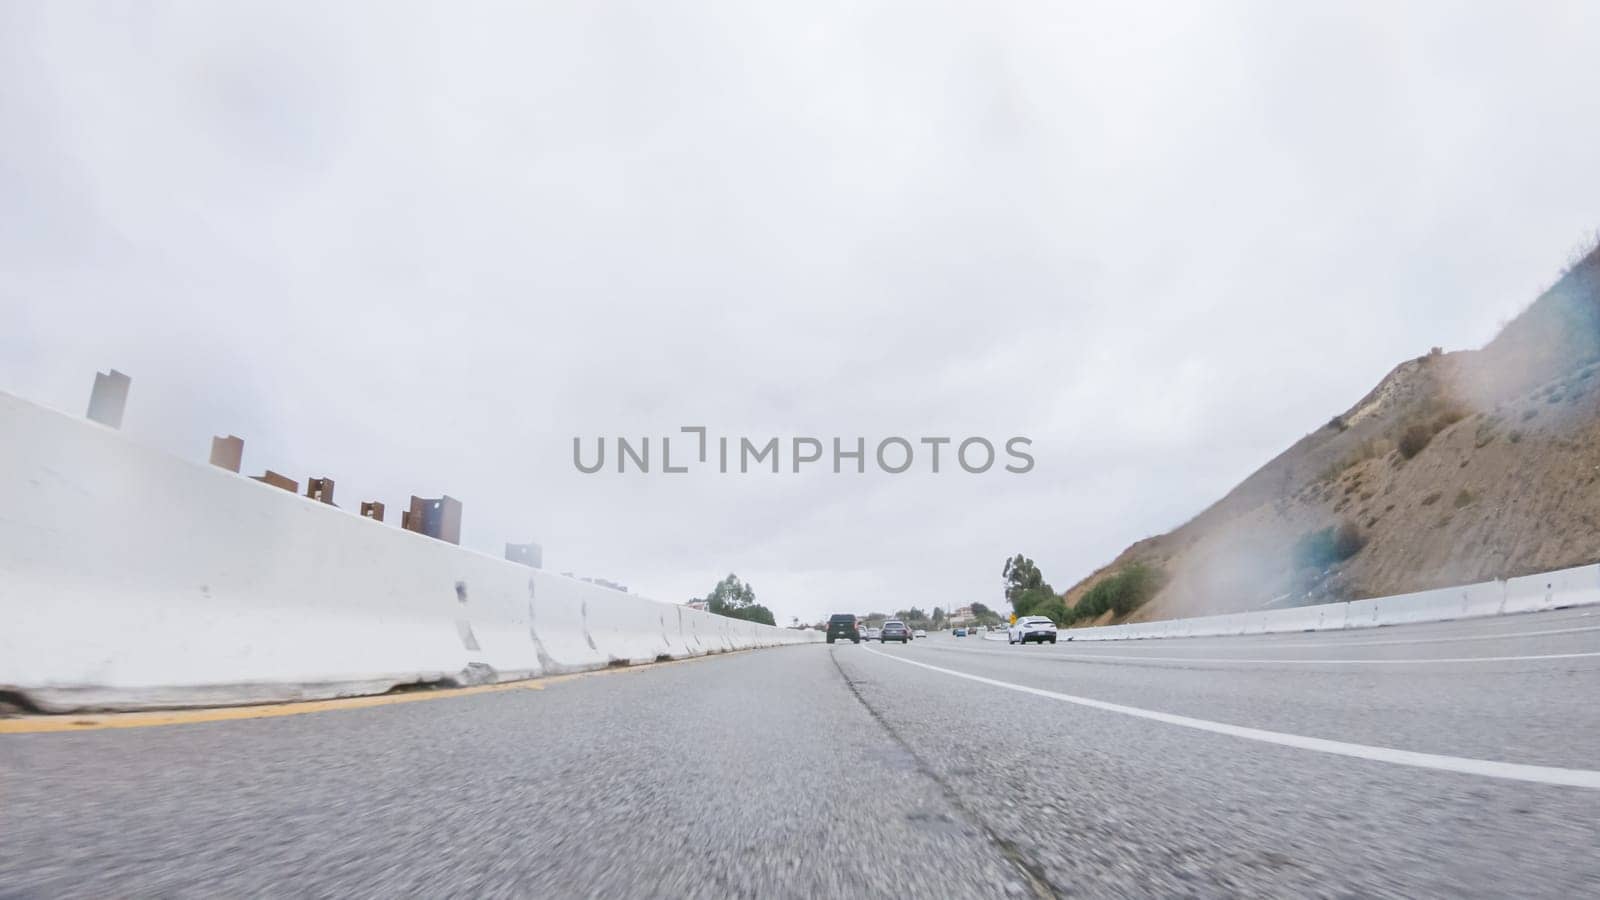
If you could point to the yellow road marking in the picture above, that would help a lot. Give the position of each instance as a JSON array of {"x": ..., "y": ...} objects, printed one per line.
[{"x": 40, "y": 724}]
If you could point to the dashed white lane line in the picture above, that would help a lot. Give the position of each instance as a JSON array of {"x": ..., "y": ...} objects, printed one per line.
[
  {"x": 1583, "y": 778},
  {"x": 1140, "y": 657}
]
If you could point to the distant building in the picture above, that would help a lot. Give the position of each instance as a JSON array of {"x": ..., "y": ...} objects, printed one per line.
[
  {"x": 437, "y": 518},
  {"x": 372, "y": 509},
  {"x": 109, "y": 398},
  {"x": 531, "y": 555},
  {"x": 227, "y": 452},
  {"x": 278, "y": 481}
]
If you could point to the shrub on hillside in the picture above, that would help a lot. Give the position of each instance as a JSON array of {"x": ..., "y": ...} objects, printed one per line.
[
  {"x": 1055, "y": 609},
  {"x": 1328, "y": 546},
  {"x": 1413, "y": 439},
  {"x": 1123, "y": 592},
  {"x": 1348, "y": 541},
  {"x": 1032, "y": 601}
]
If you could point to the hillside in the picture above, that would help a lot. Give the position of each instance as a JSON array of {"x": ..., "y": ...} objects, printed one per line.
[{"x": 1457, "y": 467}]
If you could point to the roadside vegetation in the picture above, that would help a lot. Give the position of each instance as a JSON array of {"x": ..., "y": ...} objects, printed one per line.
[
  {"x": 737, "y": 600},
  {"x": 1123, "y": 592},
  {"x": 1416, "y": 436},
  {"x": 1328, "y": 546}
]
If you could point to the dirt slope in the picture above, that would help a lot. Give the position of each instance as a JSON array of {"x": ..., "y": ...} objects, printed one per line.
[{"x": 1507, "y": 480}]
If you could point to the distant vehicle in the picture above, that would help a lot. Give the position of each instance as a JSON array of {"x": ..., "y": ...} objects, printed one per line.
[
  {"x": 870, "y": 634},
  {"x": 894, "y": 630},
  {"x": 843, "y": 625},
  {"x": 958, "y": 632},
  {"x": 1031, "y": 628},
  {"x": 919, "y": 633}
]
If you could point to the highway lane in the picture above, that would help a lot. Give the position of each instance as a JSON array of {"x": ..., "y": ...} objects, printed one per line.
[
  {"x": 1494, "y": 698},
  {"x": 862, "y": 771},
  {"x": 753, "y": 774},
  {"x": 1143, "y": 808}
]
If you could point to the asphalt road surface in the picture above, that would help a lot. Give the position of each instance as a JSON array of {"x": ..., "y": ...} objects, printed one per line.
[{"x": 1457, "y": 759}]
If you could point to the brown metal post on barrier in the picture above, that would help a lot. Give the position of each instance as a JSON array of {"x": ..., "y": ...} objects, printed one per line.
[
  {"x": 437, "y": 518},
  {"x": 227, "y": 452},
  {"x": 372, "y": 509},
  {"x": 320, "y": 489},
  {"x": 109, "y": 398},
  {"x": 531, "y": 555},
  {"x": 277, "y": 481}
]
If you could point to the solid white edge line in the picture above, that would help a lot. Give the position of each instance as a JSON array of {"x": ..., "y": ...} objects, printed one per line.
[
  {"x": 1583, "y": 778},
  {"x": 1090, "y": 657}
]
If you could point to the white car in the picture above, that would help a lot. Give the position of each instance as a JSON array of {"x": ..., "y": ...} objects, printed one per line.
[
  {"x": 1031, "y": 628},
  {"x": 919, "y": 633}
]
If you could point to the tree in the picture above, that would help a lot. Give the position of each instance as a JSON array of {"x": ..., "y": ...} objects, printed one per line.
[
  {"x": 1032, "y": 602},
  {"x": 1028, "y": 592},
  {"x": 1021, "y": 575},
  {"x": 1045, "y": 602},
  {"x": 938, "y": 617},
  {"x": 914, "y": 617},
  {"x": 737, "y": 600}
]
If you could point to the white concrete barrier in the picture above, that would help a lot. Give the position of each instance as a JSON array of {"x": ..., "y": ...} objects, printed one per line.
[
  {"x": 1550, "y": 590},
  {"x": 1362, "y": 613},
  {"x": 129, "y": 578},
  {"x": 1298, "y": 618},
  {"x": 1486, "y": 598},
  {"x": 1579, "y": 586},
  {"x": 628, "y": 628},
  {"x": 559, "y": 616},
  {"x": 1229, "y": 624},
  {"x": 1423, "y": 606},
  {"x": 1575, "y": 587}
]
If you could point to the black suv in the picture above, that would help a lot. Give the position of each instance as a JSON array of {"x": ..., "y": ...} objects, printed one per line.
[{"x": 843, "y": 625}]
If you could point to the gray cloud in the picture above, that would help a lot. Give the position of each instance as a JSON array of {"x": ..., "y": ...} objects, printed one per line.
[{"x": 419, "y": 248}]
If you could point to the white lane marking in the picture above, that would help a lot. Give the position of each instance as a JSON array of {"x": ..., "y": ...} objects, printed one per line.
[
  {"x": 1091, "y": 657},
  {"x": 1584, "y": 778},
  {"x": 1494, "y": 636}
]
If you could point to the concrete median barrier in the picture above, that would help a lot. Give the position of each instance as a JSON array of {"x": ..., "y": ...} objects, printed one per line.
[
  {"x": 129, "y": 578},
  {"x": 1301, "y": 618},
  {"x": 1484, "y": 599},
  {"x": 1423, "y": 606},
  {"x": 1579, "y": 586},
  {"x": 1362, "y": 613}
]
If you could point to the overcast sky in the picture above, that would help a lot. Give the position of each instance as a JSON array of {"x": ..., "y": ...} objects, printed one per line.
[{"x": 420, "y": 248}]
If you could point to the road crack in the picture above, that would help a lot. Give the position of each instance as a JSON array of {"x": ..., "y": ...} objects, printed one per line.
[{"x": 1032, "y": 874}]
